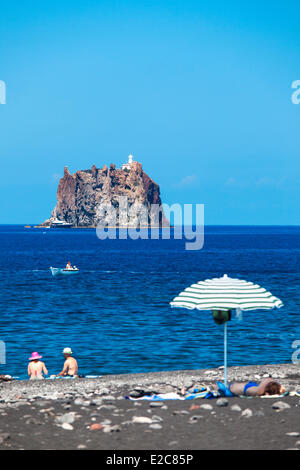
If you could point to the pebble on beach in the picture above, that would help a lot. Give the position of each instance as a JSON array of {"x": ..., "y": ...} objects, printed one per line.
[
  {"x": 280, "y": 406},
  {"x": 206, "y": 406},
  {"x": 109, "y": 428},
  {"x": 247, "y": 413},
  {"x": 236, "y": 408},
  {"x": 51, "y": 409},
  {"x": 141, "y": 420},
  {"x": 222, "y": 402},
  {"x": 67, "y": 426},
  {"x": 155, "y": 426},
  {"x": 96, "y": 427}
]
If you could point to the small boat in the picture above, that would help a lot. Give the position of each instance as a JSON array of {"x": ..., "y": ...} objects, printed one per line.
[
  {"x": 57, "y": 271},
  {"x": 60, "y": 224}
]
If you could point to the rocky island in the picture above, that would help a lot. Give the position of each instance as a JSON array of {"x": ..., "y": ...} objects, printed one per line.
[{"x": 81, "y": 196}]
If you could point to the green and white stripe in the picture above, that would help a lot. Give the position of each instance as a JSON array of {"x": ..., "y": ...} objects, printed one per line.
[{"x": 225, "y": 293}]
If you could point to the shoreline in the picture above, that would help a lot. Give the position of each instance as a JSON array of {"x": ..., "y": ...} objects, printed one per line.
[
  {"x": 238, "y": 373},
  {"x": 93, "y": 413}
]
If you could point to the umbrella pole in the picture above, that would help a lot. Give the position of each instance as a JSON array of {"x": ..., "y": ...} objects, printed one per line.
[{"x": 225, "y": 354}]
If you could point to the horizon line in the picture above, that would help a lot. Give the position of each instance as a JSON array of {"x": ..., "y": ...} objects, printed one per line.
[{"x": 172, "y": 226}]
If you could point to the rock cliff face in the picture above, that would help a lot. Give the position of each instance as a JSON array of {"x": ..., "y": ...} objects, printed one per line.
[{"x": 83, "y": 197}]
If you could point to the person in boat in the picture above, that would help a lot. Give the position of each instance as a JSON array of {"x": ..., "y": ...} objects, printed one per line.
[
  {"x": 68, "y": 266},
  {"x": 36, "y": 367},
  {"x": 267, "y": 386},
  {"x": 70, "y": 368}
]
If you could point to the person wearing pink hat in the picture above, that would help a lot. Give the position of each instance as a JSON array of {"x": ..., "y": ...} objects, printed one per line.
[{"x": 36, "y": 368}]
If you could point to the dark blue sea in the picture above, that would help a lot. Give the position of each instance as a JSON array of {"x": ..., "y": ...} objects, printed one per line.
[{"x": 115, "y": 313}]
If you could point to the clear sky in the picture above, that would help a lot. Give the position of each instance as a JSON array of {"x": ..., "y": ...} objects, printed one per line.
[{"x": 198, "y": 91}]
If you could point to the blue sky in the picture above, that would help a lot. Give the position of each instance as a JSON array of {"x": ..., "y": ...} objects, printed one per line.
[{"x": 199, "y": 92}]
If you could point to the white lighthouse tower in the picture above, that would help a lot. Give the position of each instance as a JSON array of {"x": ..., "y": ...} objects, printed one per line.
[{"x": 126, "y": 166}]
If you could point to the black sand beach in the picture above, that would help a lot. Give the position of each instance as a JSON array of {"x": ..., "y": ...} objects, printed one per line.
[{"x": 58, "y": 414}]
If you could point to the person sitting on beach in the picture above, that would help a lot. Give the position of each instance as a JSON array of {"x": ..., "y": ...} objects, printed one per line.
[
  {"x": 267, "y": 386},
  {"x": 36, "y": 368},
  {"x": 68, "y": 265},
  {"x": 70, "y": 366}
]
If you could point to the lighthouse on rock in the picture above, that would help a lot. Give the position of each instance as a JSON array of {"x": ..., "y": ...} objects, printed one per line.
[{"x": 126, "y": 166}]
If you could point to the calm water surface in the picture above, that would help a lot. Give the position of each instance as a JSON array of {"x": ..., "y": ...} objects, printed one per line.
[{"x": 115, "y": 314}]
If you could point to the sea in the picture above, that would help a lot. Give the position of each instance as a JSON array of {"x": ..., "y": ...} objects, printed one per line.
[{"x": 115, "y": 314}]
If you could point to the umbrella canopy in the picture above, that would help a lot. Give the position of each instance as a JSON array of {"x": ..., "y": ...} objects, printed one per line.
[{"x": 223, "y": 294}]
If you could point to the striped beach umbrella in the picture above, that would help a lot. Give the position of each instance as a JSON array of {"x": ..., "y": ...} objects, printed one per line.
[{"x": 225, "y": 294}]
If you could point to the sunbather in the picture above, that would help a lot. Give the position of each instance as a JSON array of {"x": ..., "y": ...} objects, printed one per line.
[
  {"x": 6, "y": 378},
  {"x": 267, "y": 386},
  {"x": 70, "y": 368},
  {"x": 36, "y": 368}
]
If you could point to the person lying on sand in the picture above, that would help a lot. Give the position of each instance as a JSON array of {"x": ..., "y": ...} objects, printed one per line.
[
  {"x": 36, "y": 368},
  {"x": 6, "y": 378},
  {"x": 267, "y": 386},
  {"x": 70, "y": 366}
]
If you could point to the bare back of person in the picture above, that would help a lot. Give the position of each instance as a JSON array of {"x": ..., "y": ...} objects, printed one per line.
[
  {"x": 71, "y": 366},
  {"x": 36, "y": 369}
]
